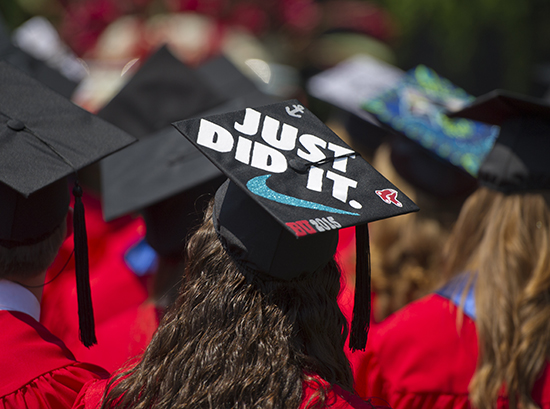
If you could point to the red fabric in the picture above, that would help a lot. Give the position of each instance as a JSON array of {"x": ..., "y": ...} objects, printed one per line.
[
  {"x": 116, "y": 290},
  {"x": 38, "y": 371},
  {"x": 122, "y": 337},
  {"x": 91, "y": 395},
  {"x": 418, "y": 358}
]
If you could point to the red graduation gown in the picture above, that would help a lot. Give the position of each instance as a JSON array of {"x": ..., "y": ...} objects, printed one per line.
[
  {"x": 417, "y": 358},
  {"x": 37, "y": 370},
  {"x": 92, "y": 393},
  {"x": 116, "y": 290}
]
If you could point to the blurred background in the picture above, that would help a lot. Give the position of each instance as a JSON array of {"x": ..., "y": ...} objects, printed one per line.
[{"x": 478, "y": 45}]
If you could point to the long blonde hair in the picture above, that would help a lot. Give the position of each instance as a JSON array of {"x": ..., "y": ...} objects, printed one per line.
[{"x": 505, "y": 240}]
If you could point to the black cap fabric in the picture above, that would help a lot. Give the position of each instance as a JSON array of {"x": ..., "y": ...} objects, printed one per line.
[
  {"x": 519, "y": 159},
  {"x": 166, "y": 179},
  {"x": 223, "y": 76},
  {"x": 293, "y": 184},
  {"x": 162, "y": 91},
  {"x": 44, "y": 138},
  {"x": 150, "y": 171}
]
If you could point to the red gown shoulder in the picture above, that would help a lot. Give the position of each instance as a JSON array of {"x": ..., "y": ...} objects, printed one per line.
[
  {"x": 91, "y": 396},
  {"x": 38, "y": 371},
  {"x": 422, "y": 357}
]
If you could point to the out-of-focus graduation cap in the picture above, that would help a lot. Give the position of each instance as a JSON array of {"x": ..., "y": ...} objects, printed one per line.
[
  {"x": 162, "y": 91},
  {"x": 347, "y": 85},
  {"x": 223, "y": 76},
  {"x": 519, "y": 159},
  {"x": 32, "y": 66},
  {"x": 353, "y": 81},
  {"x": 435, "y": 153},
  {"x": 159, "y": 167},
  {"x": 44, "y": 138},
  {"x": 293, "y": 184},
  {"x": 167, "y": 180}
]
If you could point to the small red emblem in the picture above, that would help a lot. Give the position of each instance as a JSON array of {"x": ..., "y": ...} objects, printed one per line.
[{"x": 389, "y": 196}]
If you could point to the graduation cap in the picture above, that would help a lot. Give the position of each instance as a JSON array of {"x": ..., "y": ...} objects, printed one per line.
[
  {"x": 167, "y": 179},
  {"x": 33, "y": 66},
  {"x": 293, "y": 184},
  {"x": 519, "y": 159},
  {"x": 44, "y": 138},
  {"x": 433, "y": 152},
  {"x": 162, "y": 91},
  {"x": 161, "y": 176},
  {"x": 223, "y": 76}
]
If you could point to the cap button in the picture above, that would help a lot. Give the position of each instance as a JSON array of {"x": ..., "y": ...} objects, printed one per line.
[{"x": 15, "y": 124}]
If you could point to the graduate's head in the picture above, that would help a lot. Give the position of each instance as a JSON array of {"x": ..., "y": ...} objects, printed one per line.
[
  {"x": 510, "y": 221},
  {"x": 248, "y": 339},
  {"x": 32, "y": 229}
]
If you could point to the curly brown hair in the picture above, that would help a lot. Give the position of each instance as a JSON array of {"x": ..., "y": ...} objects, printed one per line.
[{"x": 234, "y": 340}]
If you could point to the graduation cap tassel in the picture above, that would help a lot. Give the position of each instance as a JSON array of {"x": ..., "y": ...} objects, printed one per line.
[
  {"x": 362, "y": 305},
  {"x": 84, "y": 295}
]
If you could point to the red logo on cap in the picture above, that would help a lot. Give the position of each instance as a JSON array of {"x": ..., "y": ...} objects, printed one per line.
[{"x": 389, "y": 196}]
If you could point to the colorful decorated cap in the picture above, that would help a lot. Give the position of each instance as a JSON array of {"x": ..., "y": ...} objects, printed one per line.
[
  {"x": 519, "y": 159},
  {"x": 162, "y": 91},
  {"x": 45, "y": 138},
  {"x": 293, "y": 184},
  {"x": 415, "y": 108}
]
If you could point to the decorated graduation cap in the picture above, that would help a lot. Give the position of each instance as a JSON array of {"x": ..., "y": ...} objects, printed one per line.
[
  {"x": 519, "y": 159},
  {"x": 292, "y": 184},
  {"x": 45, "y": 138},
  {"x": 162, "y": 91},
  {"x": 433, "y": 152}
]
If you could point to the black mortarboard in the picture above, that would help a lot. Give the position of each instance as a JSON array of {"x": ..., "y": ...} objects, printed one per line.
[
  {"x": 165, "y": 178},
  {"x": 157, "y": 168},
  {"x": 32, "y": 66},
  {"x": 223, "y": 76},
  {"x": 519, "y": 158},
  {"x": 44, "y": 138},
  {"x": 434, "y": 153},
  {"x": 292, "y": 178},
  {"x": 162, "y": 91}
]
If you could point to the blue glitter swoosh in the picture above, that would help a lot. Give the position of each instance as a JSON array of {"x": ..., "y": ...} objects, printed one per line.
[{"x": 259, "y": 187}]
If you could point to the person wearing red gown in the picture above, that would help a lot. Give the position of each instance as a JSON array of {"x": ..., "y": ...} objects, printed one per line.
[
  {"x": 45, "y": 138},
  {"x": 38, "y": 371},
  {"x": 482, "y": 339},
  {"x": 256, "y": 322}
]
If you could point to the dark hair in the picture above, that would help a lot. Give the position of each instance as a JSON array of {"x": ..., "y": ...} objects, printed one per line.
[
  {"x": 233, "y": 340},
  {"x": 22, "y": 262}
]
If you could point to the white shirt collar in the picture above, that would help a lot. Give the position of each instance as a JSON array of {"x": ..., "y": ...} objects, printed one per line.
[{"x": 15, "y": 297}]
